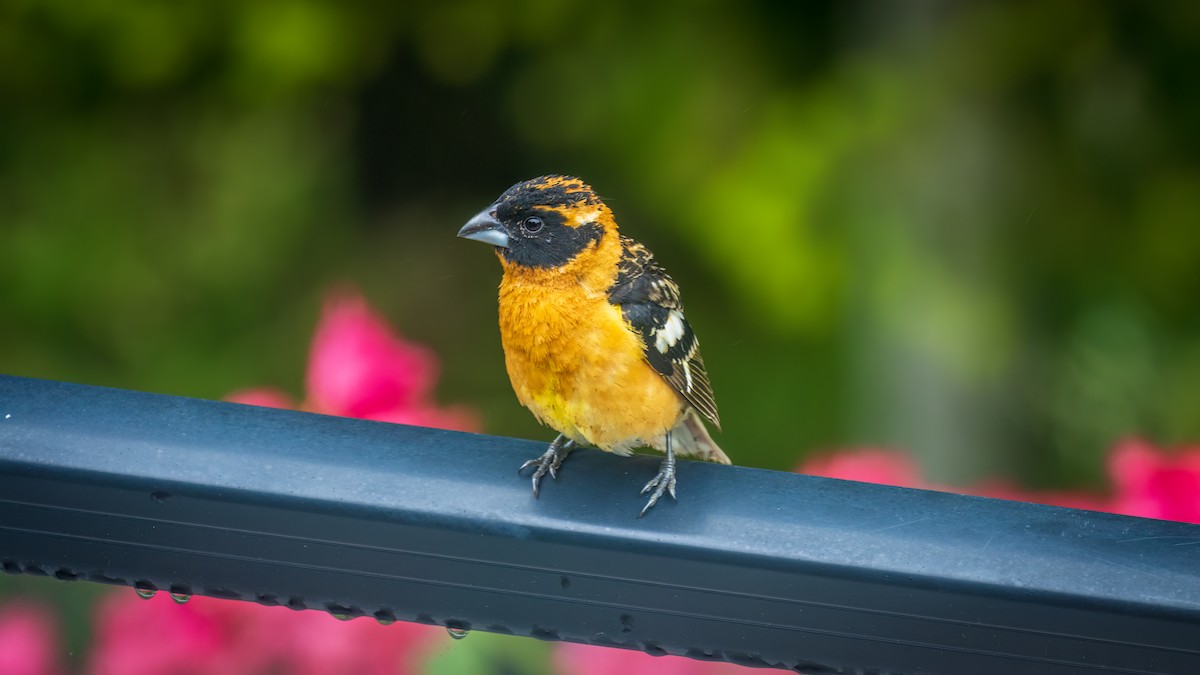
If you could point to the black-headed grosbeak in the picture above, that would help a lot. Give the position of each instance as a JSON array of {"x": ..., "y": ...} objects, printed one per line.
[{"x": 595, "y": 340}]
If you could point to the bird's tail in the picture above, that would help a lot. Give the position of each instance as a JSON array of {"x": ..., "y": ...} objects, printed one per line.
[{"x": 690, "y": 437}]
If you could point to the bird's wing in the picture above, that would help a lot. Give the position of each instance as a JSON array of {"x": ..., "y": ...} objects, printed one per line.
[{"x": 649, "y": 300}]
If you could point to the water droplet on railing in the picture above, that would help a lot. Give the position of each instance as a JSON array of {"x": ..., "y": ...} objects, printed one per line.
[
  {"x": 143, "y": 592},
  {"x": 181, "y": 598},
  {"x": 457, "y": 633},
  {"x": 384, "y": 618},
  {"x": 341, "y": 617}
]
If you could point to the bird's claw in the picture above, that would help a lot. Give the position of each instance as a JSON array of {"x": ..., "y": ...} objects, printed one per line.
[
  {"x": 664, "y": 481},
  {"x": 548, "y": 462}
]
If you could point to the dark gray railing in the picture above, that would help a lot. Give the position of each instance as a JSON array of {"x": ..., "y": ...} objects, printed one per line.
[{"x": 750, "y": 566}]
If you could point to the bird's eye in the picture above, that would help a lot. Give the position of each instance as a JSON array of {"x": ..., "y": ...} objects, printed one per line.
[{"x": 532, "y": 224}]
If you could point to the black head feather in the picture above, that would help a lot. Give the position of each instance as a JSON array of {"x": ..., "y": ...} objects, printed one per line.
[{"x": 540, "y": 217}]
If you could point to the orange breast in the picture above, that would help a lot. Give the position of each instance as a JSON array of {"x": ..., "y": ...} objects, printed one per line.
[{"x": 576, "y": 363}]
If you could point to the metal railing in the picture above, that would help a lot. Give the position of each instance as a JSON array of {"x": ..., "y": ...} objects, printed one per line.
[{"x": 750, "y": 566}]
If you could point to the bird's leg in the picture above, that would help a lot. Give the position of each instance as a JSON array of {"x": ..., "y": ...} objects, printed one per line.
[
  {"x": 549, "y": 461},
  {"x": 664, "y": 481}
]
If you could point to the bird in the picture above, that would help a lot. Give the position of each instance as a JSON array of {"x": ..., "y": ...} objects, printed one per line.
[{"x": 595, "y": 340}]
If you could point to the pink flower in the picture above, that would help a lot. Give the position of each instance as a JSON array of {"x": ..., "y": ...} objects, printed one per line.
[
  {"x": 575, "y": 659},
  {"x": 265, "y": 397},
  {"x": 1153, "y": 484},
  {"x": 315, "y": 643},
  {"x": 885, "y": 467},
  {"x": 223, "y": 637},
  {"x": 151, "y": 637},
  {"x": 1147, "y": 482},
  {"x": 28, "y": 640},
  {"x": 888, "y": 467},
  {"x": 1000, "y": 489},
  {"x": 358, "y": 367}
]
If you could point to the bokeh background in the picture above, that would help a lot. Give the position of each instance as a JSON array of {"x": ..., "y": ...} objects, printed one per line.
[{"x": 970, "y": 231}]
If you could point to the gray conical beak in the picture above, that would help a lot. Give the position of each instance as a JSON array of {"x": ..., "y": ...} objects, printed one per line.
[{"x": 485, "y": 228}]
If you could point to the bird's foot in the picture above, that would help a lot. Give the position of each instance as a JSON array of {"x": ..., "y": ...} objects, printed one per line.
[
  {"x": 549, "y": 461},
  {"x": 663, "y": 482}
]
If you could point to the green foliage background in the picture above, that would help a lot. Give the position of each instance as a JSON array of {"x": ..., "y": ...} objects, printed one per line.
[
  {"x": 969, "y": 230},
  {"x": 964, "y": 229}
]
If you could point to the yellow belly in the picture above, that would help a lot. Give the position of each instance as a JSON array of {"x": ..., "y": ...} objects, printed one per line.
[{"x": 576, "y": 363}]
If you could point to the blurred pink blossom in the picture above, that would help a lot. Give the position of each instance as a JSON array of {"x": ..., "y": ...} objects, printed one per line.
[
  {"x": 1002, "y": 489},
  {"x": 575, "y": 659},
  {"x": 207, "y": 636},
  {"x": 265, "y": 397},
  {"x": 1155, "y": 484},
  {"x": 890, "y": 467},
  {"x": 359, "y": 367},
  {"x": 28, "y": 639},
  {"x": 869, "y": 465},
  {"x": 1146, "y": 481}
]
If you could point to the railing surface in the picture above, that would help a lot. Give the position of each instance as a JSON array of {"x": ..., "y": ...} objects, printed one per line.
[{"x": 751, "y": 566}]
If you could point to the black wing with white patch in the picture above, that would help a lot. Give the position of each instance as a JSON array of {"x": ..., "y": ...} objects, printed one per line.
[{"x": 649, "y": 300}]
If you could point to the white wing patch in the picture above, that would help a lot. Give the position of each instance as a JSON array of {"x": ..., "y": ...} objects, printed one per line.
[
  {"x": 650, "y": 302},
  {"x": 670, "y": 333}
]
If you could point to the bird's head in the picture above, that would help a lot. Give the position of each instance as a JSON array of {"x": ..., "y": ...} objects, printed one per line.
[{"x": 543, "y": 223}]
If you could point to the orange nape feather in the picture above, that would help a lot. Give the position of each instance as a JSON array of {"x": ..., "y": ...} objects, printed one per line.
[{"x": 573, "y": 359}]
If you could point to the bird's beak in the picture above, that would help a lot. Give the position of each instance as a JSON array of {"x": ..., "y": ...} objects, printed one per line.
[{"x": 484, "y": 227}]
